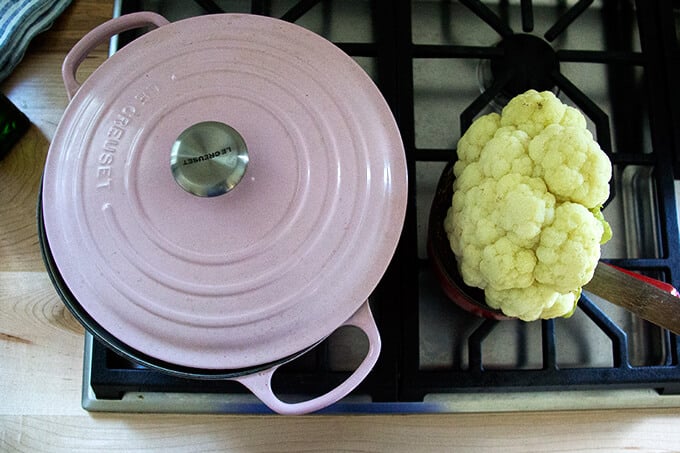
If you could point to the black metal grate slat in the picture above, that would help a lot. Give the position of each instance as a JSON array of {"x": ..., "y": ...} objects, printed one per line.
[
  {"x": 210, "y": 7},
  {"x": 261, "y": 7},
  {"x": 299, "y": 9},
  {"x": 433, "y": 51},
  {"x": 488, "y": 16},
  {"x": 600, "y": 56},
  {"x": 549, "y": 345},
  {"x": 476, "y": 359},
  {"x": 609, "y": 328},
  {"x": 570, "y": 16},
  {"x": 527, "y": 16}
]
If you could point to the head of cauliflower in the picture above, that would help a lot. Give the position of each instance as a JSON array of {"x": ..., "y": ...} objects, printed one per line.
[{"x": 525, "y": 222}]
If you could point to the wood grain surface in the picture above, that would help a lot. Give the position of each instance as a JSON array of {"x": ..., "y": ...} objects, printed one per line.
[{"x": 41, "y": 344}]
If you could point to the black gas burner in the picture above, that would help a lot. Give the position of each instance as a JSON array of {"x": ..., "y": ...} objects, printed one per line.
[
  {"x": 528, "y": 62},
  {"x": 616, "y": 60}
]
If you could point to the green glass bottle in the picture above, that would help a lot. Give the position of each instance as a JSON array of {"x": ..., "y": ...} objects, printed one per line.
[{"x": 13, "y": 125}]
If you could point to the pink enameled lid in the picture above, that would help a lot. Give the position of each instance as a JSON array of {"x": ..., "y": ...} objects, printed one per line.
[{"x": 264, "y": 270}]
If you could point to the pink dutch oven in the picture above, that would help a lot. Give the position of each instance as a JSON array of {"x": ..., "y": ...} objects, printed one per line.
[{"x": 220, "y": 196}]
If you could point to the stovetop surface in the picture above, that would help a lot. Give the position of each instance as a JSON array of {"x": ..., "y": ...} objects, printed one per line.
[{"x": 437, "y": 65}]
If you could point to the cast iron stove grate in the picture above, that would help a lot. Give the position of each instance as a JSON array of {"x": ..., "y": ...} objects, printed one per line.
[{"x": 638, "y": 64}]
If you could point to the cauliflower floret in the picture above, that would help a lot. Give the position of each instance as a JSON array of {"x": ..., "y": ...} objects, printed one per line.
[
  {"x": 471, "y": 143},
  {"x": 469, "y": 242},
  {"x": 572, "y": 164},
  {"x": 545, "y": 302},
  {"x": 573, "y": 118},
  {"x": 522, "y": 207},
  {"x": 564, "y": 306},
  {"x": 525, "y": 221},
  {"x": 470, "y": 269},
  {"x": 508, "y": 216},
  {"x": 506, "y": 265},
  {"x": 506, "y": 153},
  {"x": 569, "y": 248},
  {"x": 532, "y": 112}
]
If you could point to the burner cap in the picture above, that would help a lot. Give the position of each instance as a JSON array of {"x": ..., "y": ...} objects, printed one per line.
[{"x": 531, "y": 61}]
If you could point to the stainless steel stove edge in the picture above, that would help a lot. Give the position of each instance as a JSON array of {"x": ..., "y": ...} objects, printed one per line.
[{"x": 207, "y": 403}]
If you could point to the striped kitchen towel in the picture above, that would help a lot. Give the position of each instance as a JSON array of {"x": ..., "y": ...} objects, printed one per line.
[{"x": 20, "y": 22}]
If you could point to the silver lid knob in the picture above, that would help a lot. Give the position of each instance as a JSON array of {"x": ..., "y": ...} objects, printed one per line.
[{"x": 209, "y": 159}]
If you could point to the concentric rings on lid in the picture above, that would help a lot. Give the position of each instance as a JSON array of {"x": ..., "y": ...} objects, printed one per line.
[{"x": 264, "y": 270}]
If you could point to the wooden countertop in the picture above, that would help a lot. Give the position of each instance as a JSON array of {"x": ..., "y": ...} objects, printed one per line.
[{"x": 41, "y": 344}]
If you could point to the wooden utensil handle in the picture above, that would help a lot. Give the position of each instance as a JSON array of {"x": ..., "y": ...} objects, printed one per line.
[{"x": 642, "y": 298}]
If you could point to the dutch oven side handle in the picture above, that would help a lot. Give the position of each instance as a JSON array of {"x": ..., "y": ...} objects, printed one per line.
[
  {"x": 260, "y": 383},
  {"x": 99, "y": 35}
]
